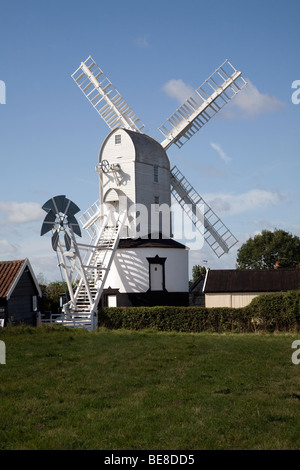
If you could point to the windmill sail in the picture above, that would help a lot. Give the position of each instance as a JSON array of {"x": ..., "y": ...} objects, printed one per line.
[
  {"x": 105, "y": 98},
  {"x": 215, "y": 232},
  {"x": 206, "y": 101}
]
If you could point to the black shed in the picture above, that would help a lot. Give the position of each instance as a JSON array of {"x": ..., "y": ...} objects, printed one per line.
[{"x": 20, "y": 293}]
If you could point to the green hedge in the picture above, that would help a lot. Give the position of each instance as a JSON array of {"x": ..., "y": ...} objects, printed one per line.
[
  {"x": 270, "y": 312},
  {"x": 276, "y": 312}
]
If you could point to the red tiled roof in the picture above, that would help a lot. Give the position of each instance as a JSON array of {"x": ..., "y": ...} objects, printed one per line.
[{"x": 9, "y": 271}]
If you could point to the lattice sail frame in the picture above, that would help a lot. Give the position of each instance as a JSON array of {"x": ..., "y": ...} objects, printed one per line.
[
  {"x": 107, "y": 101},
  {"x": 206, "y": 221},
  {"x": 205, "y": 102}
]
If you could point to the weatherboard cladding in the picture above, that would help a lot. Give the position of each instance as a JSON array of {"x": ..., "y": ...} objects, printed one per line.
[
  {"x": 9, "y": 271},
  {"x": 252, "y": 280},
  {"x": 148, "y": 150},
  {"x": 149, "y": 242}
]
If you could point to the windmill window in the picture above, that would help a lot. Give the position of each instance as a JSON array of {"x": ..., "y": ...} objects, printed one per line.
[
  {"x": 34, "y": 303},
  {"x": 155, "y": 174},
  {"x": 111, "y": 300},
  {"x": 117, "y": 139}
]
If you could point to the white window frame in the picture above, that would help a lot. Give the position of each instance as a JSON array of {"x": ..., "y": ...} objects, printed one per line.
[
  {"x": 34, "y": 303},
  {"x": 112, "y": 300}
]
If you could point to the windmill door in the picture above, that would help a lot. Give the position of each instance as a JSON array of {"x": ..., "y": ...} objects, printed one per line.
[
  {"x": 156, "y": 276},
  {"x": 111, "y": 300}
]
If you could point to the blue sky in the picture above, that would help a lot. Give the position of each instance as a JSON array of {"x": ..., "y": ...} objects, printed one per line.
[{"x": 244, "y": 162}]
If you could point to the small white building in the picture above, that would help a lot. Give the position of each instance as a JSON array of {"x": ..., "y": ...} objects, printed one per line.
[
  {"x": 150, "y": 267},
  {"x": 237, "y": 288},
  {"x": 147, "y": 272}
]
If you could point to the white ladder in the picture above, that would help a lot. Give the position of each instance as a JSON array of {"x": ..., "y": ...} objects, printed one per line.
[{"x": 83, "y": 310}]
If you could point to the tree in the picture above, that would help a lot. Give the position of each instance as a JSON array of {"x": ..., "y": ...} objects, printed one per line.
[
  {"x": 51, "y": 295},
  {"x": 197, "y": 271},
  {"x": 268, "y": 249}
]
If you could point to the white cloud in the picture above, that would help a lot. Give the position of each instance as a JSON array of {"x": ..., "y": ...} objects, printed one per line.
[
  {"x": 21, "y": 212},
  {"x": 34, "y": 247},
  {"x": 142, "y": 41},
  {"x": 221, "y": 152},
  {"x": 6, "y": 247},
  {"x": 176, "y": 88},
  {"x": 251, "y": 102},
  {"x": 238, "y": 203},
  {"x": 212, "y": 171},
  {"x": 246, "y": 104}
]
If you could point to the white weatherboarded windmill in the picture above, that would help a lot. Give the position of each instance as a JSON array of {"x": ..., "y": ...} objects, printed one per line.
[{"x": 131, "y": 257}]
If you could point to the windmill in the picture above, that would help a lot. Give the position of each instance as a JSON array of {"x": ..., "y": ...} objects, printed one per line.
[{"x": 135, "y": 174}]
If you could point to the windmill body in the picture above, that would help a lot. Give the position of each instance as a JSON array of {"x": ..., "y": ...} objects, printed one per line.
[
  {"x": 139, "y": 170},
  {"x": 132, "y": 257},
  {"x": 149, "y": 267}
]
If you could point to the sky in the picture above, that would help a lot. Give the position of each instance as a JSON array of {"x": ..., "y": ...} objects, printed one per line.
[{"x": 244, "y": 162}]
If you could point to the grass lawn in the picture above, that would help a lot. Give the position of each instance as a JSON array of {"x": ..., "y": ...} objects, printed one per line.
[{"x": 115, "y": 390}]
